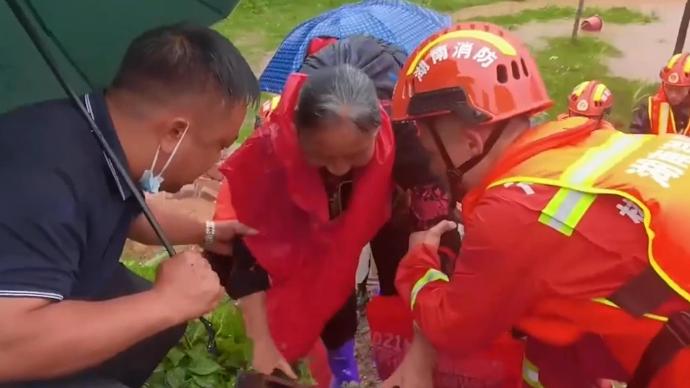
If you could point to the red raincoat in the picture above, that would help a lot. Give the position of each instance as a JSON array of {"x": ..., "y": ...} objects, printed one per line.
[{"x": 310, "y": 258}]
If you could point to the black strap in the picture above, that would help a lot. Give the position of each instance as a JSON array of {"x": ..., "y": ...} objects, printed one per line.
[
  {"x": 673, "y": 337},
  {"x": 642, "y": 294}
]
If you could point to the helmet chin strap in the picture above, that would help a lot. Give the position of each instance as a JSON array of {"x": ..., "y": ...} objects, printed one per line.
[{"x": 456, "y": 173}]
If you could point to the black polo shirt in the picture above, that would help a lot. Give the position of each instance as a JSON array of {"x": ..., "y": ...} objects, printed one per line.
[{"x": 64, "y": 212}]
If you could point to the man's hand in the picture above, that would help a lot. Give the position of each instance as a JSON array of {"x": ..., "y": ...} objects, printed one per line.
[
  {"x": 187, "y": 283},
  {"x": 432, "y": 237},
  {"x": 183, "y": 229},
  {"x": 225, "y": 233},
  {"x": 416, "y": 369},
  {"x": 267, "y": 358}
]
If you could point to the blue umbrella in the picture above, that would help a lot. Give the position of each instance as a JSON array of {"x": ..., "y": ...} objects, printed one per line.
[{"x": 397, "y": 22}]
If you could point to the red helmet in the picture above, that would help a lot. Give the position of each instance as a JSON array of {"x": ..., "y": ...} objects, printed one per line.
[
  {"x": 590, "y": 99},
  {"x": 477, "y": 70},
  {"x": 677, "y": 70}
]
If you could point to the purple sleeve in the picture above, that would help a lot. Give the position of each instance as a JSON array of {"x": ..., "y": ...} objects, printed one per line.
[{"x": 640, "y": 119}]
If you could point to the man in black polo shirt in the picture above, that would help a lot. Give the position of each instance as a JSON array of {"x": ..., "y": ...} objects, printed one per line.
[{"x": 69, "y": 309}]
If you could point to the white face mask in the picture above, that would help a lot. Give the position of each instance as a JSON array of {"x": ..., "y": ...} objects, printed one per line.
[{"x": 151, "y": 183}]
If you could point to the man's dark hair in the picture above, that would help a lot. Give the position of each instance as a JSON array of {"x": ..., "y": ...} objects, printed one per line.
[
  {"x": 183, "y": 59},
  {"x": 338, "y": 93}
]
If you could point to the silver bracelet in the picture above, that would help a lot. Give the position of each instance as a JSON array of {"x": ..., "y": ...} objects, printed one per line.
[{"x": 210, "y": 235}]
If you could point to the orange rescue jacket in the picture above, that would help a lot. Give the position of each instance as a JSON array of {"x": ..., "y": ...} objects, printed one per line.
[
  {"x": 584, "y": 159},
  {"x": 661, "y": 120}
]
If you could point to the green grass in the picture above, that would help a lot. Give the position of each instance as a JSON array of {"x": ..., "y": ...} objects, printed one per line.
[
  {"x": 455, "y": 5},
  {"x": 189, "y": 364},
  {"x": 564, "y": 64},
  {"x": 617, "y": 15}
]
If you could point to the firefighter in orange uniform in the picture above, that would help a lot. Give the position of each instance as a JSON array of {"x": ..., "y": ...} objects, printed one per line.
[
  {"x": 668, "y": 110},
  {"x": 590, "y": 99},
  {"x": 575, "y": 233}
]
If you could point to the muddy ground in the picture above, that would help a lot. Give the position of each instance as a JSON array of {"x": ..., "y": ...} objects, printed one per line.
[
  {"x": 644, "y": 47},
  {"x": 367, "y": 368}
]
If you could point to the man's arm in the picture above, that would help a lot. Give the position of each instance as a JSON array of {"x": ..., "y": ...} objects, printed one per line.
[
  {"x": 180, "y": 227},
  {"x": 42, "y": 339},
  {"x": 184, "y": 229},
  {"x": 42, "y": 334},
  {"x": 493, "y": 283}
]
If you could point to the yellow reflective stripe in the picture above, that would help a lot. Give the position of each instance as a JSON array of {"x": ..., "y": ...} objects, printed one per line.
[
  {"x": 673, "y": 60},
  {"x": 580, "y": 88},
  {"x": 431, "y": 275},
  {"x": 651, "y": 235},
  {"x": 609, "y": 303},
  {"x": 599, "y": 92},
  {"x": 596, "y": 161},
  {"x": 497, "y": 41},
  {"x": 530, "y": 374},
  {"x": 274, "y": 102},
  {"x": 664, "y": 113},
  {"x": 565, "y": 210},
  {"x": 650, "y": 111}
]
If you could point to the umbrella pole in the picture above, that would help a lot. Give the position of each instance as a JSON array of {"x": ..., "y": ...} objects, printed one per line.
[
  {"x": 124, "y": 174},
  {"x": 682, "y": 29},
  {"x": 578, "y": 16}
]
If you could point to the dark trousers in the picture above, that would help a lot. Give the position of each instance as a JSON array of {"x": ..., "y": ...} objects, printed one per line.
[
  {"x": 388, "y": 247},
  {"x": 131, "y": 367}
]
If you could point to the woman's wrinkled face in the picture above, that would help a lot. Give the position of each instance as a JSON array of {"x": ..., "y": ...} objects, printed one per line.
[{"x": 338, "y": 146}]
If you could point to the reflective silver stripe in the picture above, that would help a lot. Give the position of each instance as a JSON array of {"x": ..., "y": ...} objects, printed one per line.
[
  {"x": 530, "y": 374},
  {"x": 601, "y": 157},
  {"x": 569, "y": 204}
]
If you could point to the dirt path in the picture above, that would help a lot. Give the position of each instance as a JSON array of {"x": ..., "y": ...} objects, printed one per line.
[
  {"x": 508, "y": 7},
  {"x": 644, "y": 47}
]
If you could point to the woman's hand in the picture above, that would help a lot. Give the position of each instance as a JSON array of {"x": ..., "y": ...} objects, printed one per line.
[{"x": 267, "y": 358}]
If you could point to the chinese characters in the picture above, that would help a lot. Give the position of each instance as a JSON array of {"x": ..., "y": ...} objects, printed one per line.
[
  {"x": 485, "y": 56},
  {"x": 667, "y": 163}
]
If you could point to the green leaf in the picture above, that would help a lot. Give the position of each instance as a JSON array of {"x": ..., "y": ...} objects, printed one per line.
[
  {"x": 209, "y": 381},
  {"x": 175, "y": 355},
  {"x": 198, "y": 351},
  {"x": 156, "y": 380},
  {"x": 175, "y": 378},
  {"x": 203, "y": 366},
  {"x": 233, "y": 354}
]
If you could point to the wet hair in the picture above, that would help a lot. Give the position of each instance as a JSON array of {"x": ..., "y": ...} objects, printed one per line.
[
  {"x": 380, "y": 60},
  {"x": 338, "y": 93},
  {"x": 181, "y": 59}
]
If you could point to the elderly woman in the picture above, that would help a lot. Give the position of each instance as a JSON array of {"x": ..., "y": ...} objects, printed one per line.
[{"x": 318, "y": 184}]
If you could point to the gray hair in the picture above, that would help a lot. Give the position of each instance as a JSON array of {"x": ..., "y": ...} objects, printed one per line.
[{"x": 335, "y": 94}]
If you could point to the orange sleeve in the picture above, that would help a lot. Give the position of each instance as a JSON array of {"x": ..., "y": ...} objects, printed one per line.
[
  {"x": 493, "y": 284},
  {"x": 224, "y": 209}
]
